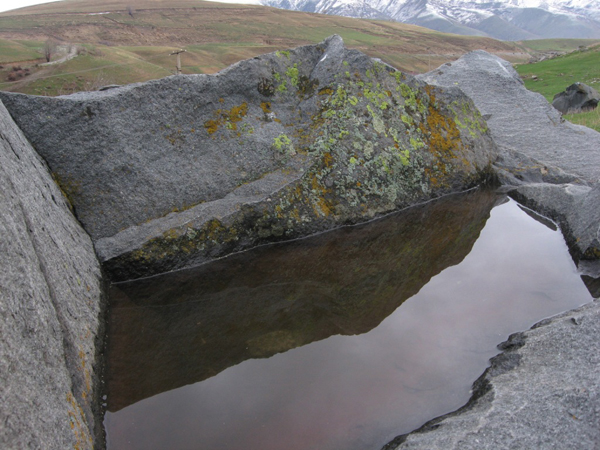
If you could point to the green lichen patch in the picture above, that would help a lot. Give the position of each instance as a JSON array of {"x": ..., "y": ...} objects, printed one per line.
[
  {"x": 284, "y": 145},
  {"x": 293, "y": 74},
  {"x": 468, "y": 118}
]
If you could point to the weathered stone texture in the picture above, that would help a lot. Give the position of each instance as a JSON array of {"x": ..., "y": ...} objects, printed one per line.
[
  {"x": 50, "y": 308},
  {"x": 521, "y": 120},
  {"x": 170, "y": 173}
]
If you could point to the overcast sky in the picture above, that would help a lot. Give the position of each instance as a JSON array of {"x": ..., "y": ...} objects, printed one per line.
[{"x": 5, "y": 5}]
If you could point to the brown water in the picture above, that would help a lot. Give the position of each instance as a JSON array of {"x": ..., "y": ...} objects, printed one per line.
[{"x": 341, "y": 341}]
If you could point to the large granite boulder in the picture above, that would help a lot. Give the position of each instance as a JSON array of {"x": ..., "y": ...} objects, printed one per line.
[
  {"x": 51, "y": 309},
  {"x": 174, "y": 172},
  {"x": 520, "y": 120},
  {"x": 576, "y": 98}
]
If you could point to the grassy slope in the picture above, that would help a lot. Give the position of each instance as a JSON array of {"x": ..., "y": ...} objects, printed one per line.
[
  {"x": 555, "y": 75},
  {"x": 16, "y": 51},
  {"x": 122, "y": 48},
  {"x": 557, "y": 45},
  {"x": 589, "y": 119}
]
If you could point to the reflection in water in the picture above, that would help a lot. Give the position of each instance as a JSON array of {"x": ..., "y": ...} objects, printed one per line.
[{"x": 288, "y": 346}]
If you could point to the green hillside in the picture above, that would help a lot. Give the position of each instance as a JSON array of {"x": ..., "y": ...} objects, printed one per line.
[
  {"x": 552, "y": 76},
  {"x": 557, "y": 45}
]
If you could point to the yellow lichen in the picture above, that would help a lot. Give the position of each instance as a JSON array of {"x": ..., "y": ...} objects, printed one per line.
[
  {"x": 326, "y": 91},
  {"x": 228, "y": 118},
  {"x": 77, "y": 422},
  {"x": 266, "y": 107}
]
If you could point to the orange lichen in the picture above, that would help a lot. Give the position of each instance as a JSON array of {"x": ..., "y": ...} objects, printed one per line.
[
  {"x": 266, "y": 107},
  {"x": 211, "y": 126},
  {"x": 321, "y": 206},
  {"x": 441, "y": 131},
  {"x": 76, "y": 422},
  {"x": 228, "y": 118},
  {"x": 443, "y": 139}
]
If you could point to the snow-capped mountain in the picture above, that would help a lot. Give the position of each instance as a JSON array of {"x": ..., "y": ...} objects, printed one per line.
[{"x": 501, "y": 19}]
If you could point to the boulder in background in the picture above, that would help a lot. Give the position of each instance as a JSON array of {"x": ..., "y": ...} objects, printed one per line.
[{"x": 576, "y": 98}]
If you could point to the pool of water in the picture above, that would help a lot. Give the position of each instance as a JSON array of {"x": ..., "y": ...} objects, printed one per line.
[{"x": 340, "y": 341}]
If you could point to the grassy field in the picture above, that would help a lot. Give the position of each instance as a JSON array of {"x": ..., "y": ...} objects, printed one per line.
[
  {"x": 590, "y": 119},
  {"x": 17, "y": 51},
  {"x": 554, "y": 75},
  {"x": 557, "y": 45},
  {"x": 119, "y": 47}
]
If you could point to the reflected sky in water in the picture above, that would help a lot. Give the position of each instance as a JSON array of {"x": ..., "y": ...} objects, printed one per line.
[{"x": 360, "y": 391}]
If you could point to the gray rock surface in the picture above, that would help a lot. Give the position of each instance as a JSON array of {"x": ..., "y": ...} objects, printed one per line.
[
  {"x": 50, "y": 308},
  {"x": 576, "y": 98},
  {"x": 536, "y": 146},
  {"x": 174, "y": 172},
  {"x": 542, "y": 392}
]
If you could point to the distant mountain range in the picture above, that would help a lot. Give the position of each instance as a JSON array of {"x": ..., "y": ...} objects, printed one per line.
[{"x": 508, "y": 20}]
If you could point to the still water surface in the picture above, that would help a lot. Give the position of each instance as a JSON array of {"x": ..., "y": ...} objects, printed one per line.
[{"x": 337, "y": 342}]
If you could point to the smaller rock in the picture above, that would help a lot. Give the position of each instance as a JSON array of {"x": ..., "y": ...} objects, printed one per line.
[{"x": 576, "y": 98}]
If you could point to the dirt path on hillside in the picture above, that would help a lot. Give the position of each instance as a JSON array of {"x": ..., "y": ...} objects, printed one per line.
[{"x": 71, "y": 53}]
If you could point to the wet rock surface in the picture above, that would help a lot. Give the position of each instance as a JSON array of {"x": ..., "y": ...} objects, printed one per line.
[
  {"x": 51, "y": 319},
  {"x": 175, "y": 172}
]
